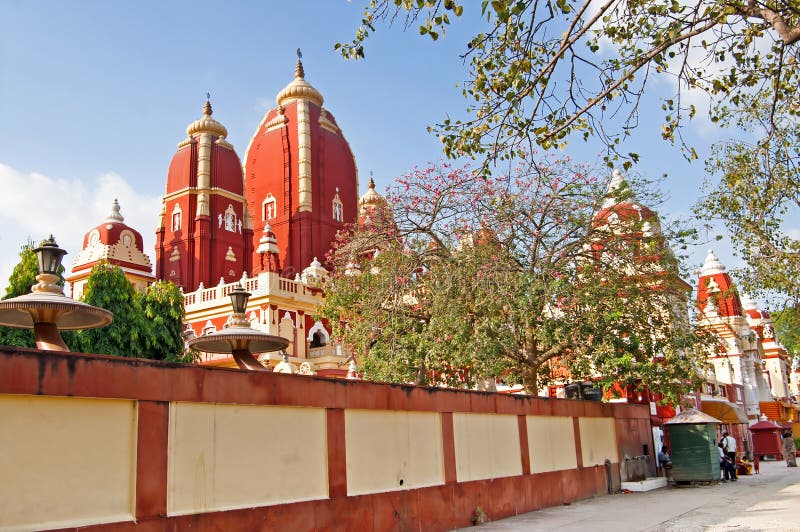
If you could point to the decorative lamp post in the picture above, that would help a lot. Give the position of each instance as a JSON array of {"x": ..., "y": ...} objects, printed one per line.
[
  {"x": 46, "y": 309},
  {"x": 240, "y": 340}
]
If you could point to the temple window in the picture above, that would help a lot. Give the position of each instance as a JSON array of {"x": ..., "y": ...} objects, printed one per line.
[
  {"x": 337, "y": 207},
  {"x": 268, "y": 208},
  {"x": 94, "y": 237},
  {"x": 177, "y": 218},
  {"x": 127, "y": 239},
  {"x": 317, "y": 335}
]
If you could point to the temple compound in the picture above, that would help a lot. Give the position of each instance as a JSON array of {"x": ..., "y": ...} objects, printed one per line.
[
  {"x": 268, "y": 222},
  {"x": 748, "y": 375}
]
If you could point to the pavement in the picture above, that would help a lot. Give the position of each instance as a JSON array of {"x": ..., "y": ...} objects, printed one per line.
[{"x": 768, "y": 501}]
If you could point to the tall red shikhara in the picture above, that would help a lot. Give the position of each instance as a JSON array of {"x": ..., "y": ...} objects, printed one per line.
[
  {"x": 205, "y": 233},
  {"x": 300, "y": 180}
]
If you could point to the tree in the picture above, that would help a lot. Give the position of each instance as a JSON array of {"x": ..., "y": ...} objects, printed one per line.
[
  {"x": 758, "y": 186},
  {"x": 146, "y": 324},
  {"x": 542, "y": 71},
  {"x": 515, "y": 277},
  {"x": 787, "y": 329},
  {"x": 19, "y": 283},
  {"x": 162, "y": 305},
  {"x": 108, "y": 288}
]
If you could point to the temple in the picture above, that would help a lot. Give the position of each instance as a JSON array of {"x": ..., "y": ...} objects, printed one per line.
[{"x": 267, "y": 221}]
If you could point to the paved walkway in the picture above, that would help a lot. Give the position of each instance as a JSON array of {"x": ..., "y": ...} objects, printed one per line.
[{"x": 769, "y": 501}]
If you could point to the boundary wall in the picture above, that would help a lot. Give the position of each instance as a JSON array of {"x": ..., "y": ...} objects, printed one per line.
[{"x": 102, "y": 443}]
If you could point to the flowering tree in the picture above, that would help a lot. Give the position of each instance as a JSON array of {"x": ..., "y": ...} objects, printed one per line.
[{"x": 458, "y": 277}]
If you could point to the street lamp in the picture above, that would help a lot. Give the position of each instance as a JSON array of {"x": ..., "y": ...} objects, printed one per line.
[
  {"x": 46, "y": 309},
  {"x": 240, "y": 340},
  {"x": 49, "y": 256},
  {"x": 239, "y": 299}
]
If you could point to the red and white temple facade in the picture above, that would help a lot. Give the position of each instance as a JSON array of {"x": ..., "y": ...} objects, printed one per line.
[
  {"x": 751, "y": 369},
  {"x": 267, "y": 223}
]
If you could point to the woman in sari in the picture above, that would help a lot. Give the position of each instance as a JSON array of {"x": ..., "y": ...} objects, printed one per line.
[{"x": 789, "y": 450}]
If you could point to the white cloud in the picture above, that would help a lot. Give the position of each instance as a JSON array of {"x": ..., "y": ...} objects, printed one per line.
[{"x": 36, "y": 205}]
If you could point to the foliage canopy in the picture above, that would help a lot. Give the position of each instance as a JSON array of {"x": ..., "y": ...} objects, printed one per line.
[
  {"x": 461, "y": 276},
  {"x": 146, "y": 324},
  {"x": 758, "y": 189},
  {"x": 541, "y": 71}
]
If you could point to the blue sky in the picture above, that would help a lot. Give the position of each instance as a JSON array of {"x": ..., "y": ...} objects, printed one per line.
[{"x": 95, "y": 96}]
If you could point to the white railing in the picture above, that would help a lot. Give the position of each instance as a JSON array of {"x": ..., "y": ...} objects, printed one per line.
[{"x": 262, "y": 284}]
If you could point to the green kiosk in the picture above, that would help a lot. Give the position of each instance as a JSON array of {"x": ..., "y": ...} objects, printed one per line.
[{"x": 693, "y": 444}]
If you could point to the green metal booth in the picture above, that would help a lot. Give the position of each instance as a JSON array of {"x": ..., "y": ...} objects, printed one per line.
[{"x": 693, "y": 445}]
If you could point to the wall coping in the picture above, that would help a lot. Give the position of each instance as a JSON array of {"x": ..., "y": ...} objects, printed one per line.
[{"x": 35, "y": 372}]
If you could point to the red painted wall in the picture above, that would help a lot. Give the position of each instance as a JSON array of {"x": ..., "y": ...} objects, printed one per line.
[{"x": 154, "y": 385}]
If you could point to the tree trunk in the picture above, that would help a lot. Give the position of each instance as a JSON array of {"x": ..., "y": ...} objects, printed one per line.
[
  {"x": 530, "y": 380},
  {"x": 421, "y": 378}
]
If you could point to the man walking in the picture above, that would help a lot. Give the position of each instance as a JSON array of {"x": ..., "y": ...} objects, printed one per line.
[{"x": 729, "y": 445}]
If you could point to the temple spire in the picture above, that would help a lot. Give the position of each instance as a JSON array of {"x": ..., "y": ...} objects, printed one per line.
[
  {"x": 114, "y": 215},
  {"x": 298, "y": 70},
  {"x": 207, "y": 111}
]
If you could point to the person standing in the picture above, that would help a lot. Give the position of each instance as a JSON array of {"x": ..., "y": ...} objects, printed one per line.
[
  {"x": 729, "y": 446},
  {"x": 729, "y": 472},
  {"x": 789, "y": 449}
]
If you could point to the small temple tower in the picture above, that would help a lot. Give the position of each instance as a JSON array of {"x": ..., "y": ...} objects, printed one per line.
[
  {"x": 115, "y": 243},
  {"x": 777, "y": 362},
  {"x": 301, "y": 180},
  {"x": 204, "y": 234},
  {"x": 738, "y": 360},
  {"x": 623, "y": 217}
]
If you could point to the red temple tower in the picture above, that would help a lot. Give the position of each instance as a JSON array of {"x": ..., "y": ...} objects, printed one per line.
[
  {"x": 204, "y": 233},
  {"x": 300, "y": 178}
]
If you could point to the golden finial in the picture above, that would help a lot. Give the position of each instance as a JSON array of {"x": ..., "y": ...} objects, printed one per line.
[
  {"x": 298, "y": 70},
  {"x": 207, "y": 111},
  {"x": 371, "y": 181}
]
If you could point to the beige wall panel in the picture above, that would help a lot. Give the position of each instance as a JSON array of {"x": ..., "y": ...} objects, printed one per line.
[
  {"x": 551, "y": 443},
  {"x": 598, "y": 440},
  {"x": 487, "y": 446},
  {"x": 238, "y": 456},
  {"x": 66, "y": 461},
  {"x": 384, "y": 447}
]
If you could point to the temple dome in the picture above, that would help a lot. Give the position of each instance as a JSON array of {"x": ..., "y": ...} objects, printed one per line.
[
  {"x": 372, "y": 206},
  {"x": 206, "y": 124},
  {"x": 370, "y": 200},
  {"x": 226, "y": 168},
  {"x": 712, "y": 265},
  {"x": 301, "y": 177},
  {"x": 715, "y": 284}
]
